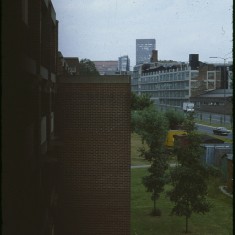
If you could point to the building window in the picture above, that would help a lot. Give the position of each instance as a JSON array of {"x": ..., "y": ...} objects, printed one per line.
[{"x": 25, "y": 11}]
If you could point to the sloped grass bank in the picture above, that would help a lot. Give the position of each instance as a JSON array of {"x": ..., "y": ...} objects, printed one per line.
[{"x": 218, "y": 221}]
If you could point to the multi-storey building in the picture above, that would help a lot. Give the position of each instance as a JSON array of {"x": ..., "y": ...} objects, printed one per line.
[
  {"x": 109, "y": 67},
  {"x": 123, "y": 64},
  {"x": 171, "y": 83},
  {"x": 168, "y": 86},
  {"x": 43, "y": 187},
  {"x": 144, "y": 48},
  {"x": 29, "y": 52}
]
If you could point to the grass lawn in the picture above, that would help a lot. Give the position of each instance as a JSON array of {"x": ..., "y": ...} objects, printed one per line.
[
  {"x": 135, "y": 144},
  {"x": 216, "y": 222}
]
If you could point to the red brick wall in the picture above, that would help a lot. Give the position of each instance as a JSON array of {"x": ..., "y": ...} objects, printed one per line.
[{"x": 94, "y": 195}]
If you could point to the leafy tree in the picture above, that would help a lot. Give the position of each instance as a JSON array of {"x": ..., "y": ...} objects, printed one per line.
[
  {"x": 189, "y": 177},
  {"x": 175, "y": 118},
  {"x": 87, "y": 67},
  {"x": 189, "y": 122},
  {"x": 152, "y": 126},
  {"x": 140, "y": 102},
  {"x": 155, "y": 181}
]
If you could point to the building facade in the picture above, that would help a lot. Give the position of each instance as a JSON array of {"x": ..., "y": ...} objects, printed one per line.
[
  {"x": 109, "y": 67},
  {"x": 65, "y": 146},
  {"x": 94, "y": 156},
  {"x": 123, "y": 64},
  {"x": 170, "y": 83},
  {"x": 144, "y": 48},
  {"x": 29, "y": 55}
]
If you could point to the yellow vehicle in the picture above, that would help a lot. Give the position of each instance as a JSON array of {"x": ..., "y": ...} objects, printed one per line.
[{"x": 170, "y": 137}]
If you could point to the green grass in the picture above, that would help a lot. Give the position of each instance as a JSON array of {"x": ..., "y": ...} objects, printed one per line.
[
  {"x": 217, "y": 222},
  {"x": 135, "y": 144}
]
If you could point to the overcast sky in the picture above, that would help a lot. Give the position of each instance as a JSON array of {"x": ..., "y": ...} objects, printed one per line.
[{"x": 108, "y": 29}]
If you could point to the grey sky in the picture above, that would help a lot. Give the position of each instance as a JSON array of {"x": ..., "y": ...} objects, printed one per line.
[{"x": 107, "y": 29}]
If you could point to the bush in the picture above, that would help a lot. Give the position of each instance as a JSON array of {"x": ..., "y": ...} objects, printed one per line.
[{"x": 214, "y": 171}]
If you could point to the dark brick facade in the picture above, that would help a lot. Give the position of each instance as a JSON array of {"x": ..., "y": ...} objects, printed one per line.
[
  {"x": 92, "y": 199},
  {"x": 94, "y": 157},
  {"x": 29, "y": 46}
]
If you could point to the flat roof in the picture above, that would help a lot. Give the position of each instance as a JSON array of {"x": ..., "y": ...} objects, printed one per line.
[{"x": 97, "y": 79}]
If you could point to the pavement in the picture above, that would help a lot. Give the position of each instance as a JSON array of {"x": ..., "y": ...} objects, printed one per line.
[{"x": 223, "y": 190}]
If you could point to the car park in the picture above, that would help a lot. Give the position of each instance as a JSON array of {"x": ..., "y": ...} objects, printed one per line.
[{"x": 221, "y": 131}]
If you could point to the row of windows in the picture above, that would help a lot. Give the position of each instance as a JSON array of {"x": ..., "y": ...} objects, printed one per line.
[
  {"x": 168, "y": 94},
  {"x": 171, "y": 102},
  {"x": 165, "y": 86},
  {"x": 166, "y": 77}
]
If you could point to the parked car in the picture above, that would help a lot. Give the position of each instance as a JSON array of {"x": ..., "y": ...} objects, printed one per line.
[{"x": 221, "y": 131}]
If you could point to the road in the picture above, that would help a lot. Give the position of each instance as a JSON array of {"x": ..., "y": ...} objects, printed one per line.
[{"x": 209, "y": 130}]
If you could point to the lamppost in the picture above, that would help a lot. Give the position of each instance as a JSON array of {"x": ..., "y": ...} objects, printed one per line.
[{"x": 217, "y": 57}]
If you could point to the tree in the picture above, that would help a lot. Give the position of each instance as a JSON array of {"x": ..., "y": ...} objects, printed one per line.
[
  {"x": 175, "y": 118},
  {"x": 189, "y": 177},
  {"x": 152, "y": 126},
  {"x": 189, "y": 122},
  {"x": 140, "y": 102},
  {"x": 87, "y": 67},
  {"x": 155, "y": 181}
]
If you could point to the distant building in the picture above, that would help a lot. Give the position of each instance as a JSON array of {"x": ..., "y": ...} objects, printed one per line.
[
  {"x": 107, "y": 67},
  {"x": 73, "y": 63},
  {"x": 144, "y": 48},
  {"x": 67, "y": 66},
  {"x": 170, "y": 83},
  {"x": 154, "y": 56},
  {"x": 214, "y": 101},
  {"x": 123, "y": 64}
]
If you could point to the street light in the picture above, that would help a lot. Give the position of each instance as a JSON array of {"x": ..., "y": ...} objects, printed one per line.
[{"x": 217, "y": 57}]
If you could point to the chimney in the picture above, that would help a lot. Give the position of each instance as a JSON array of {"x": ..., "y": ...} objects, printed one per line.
[
  {"x": 194, "y": 61},
  {"x": 154, "y": 56}
]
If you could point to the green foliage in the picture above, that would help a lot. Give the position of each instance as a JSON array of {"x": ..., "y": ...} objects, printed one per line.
[
  {"x": 189, "y": 178},
  {"x": 214, "y": 171},
  {"x": 175, "y": 118},
  {"x": 155, "y": 181},
  {"x": 152, "y": 126},
  {"x": 189, "y": 123},
  {"x": 140, "y": 102},
  {"x": 87, "y": 67}
]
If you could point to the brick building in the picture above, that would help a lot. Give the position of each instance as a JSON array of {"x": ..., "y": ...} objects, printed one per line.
[
  {"x": 33, "y": 199},
  {"x": 29, "y": 49},
  {"x": 94, "y": 156}
]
